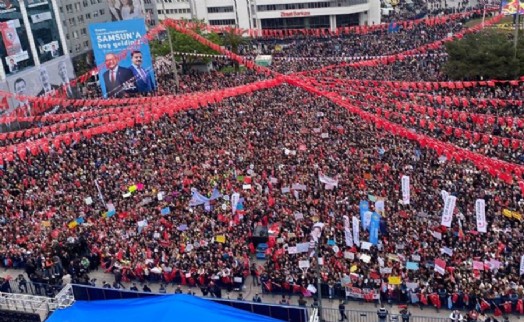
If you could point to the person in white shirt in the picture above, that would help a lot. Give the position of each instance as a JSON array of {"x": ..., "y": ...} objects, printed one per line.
[{"x": 455, "y": 316}]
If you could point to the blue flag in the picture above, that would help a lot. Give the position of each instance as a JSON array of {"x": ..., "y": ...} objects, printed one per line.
[
  {"x": 363, "y": 208},
  {"x": 165, "y": 211},
  {"x": 373, "y": 228}
]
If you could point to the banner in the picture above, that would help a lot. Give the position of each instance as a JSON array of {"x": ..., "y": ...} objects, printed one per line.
[
  {"x": 357, "y": 293},
  {"x": 373, "y": 228},
  {"x": 447, "y": 213},
  {"x": 327, "y": 180},
  {"x": 440, "y": 266},
  {"x": 347, "y": 232},
  {"x": 509, "y": 7},
  {"x": 480, "y": 211},
  {"x": 522, "y": 265},
  {"x": 9, "y": 35},
  {"x": 363, "y": 207},
  {"x": 356, "y": 231},
  {"x": 405, "y": 190},
  {"x": 128, "y": 65}
]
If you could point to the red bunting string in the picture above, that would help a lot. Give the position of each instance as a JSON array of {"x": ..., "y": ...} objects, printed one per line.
[
  {"x": 401, "y": 56},
  {"x": 472, "y": 136},
  {"x": 425, "y": 86},
  {"x": 495, "y": 167},
  {"x": 127, "y": 118},
  {"x": 447, "y": 100}
]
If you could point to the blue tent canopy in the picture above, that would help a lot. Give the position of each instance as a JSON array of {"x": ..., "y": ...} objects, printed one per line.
[{"x": 179, "y": 308}]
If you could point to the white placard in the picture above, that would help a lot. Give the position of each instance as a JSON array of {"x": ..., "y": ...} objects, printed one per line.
[
  {"x": 303, "y": 264},
  {"x": 385, "y": 270},
  {"x": 366, "y": 245},
  {"x": 447, "y": 213},
  {"x": 246, "y": 187},
  {"x": 286, "y": 190},
  {"x": 365, "y": 258},
  {"x": 480, "y": 212},
  {"x": 88, "y": 201},
  {"x": 405, "y": 190},
  {"x": 349, "y": 255},
  {"x": 356, "y": 231},
  {"x": 292, "y": 250}
]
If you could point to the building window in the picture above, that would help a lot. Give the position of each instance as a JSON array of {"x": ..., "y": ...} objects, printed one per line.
[
  {"x": 83, "y": 32},
  {"x": 220, "y": 9},
  {"x": 69, "y": 8},
  {"x": 80, "y": 19},
  {"x": 222, "y": 22},
  {"x": 75, "y": 34},
  {"x": 102, "y": 12},
  {"x": 88, "y": 16},
  {"x": 86, "y": 44}
]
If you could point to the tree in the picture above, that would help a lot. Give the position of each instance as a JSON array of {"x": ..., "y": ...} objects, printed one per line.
[
  {"x": 183, "y": 43},
  {"x": 485, "y": 55},
  {"x": 233, "y": 39}
]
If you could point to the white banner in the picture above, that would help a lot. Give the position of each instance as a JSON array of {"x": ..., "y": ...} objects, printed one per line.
[
  {"x": 405, "y": 190},
  {"x": 347, "y": 232},
  {"x": 445, "y": 195},
  {"x": 235, "y": 197},
  {"x": 327, "y": 180},
  {"x": 522, "y": 265},
  {"x": 447, "y": 213},
  {"x": 356, "y": 231},
  {"x": 480, "y": 211}
]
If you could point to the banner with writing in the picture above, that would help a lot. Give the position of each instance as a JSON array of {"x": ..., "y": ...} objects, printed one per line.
[
  {"x": 405, "y": 190},
  {"x": 356, "y": 231},
  {"x": 373, "y": 228},
  {"x": 447, "y": 213},
  {"x": 480, "y": 211}
]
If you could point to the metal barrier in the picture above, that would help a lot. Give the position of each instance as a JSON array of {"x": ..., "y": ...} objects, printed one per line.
[{"x": 333, "y": 315}]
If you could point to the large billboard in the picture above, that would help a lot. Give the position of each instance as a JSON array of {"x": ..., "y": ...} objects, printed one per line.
[
  {"x": 128, "y": 66},
  {"x": 14, "y": 45},
  {"x": 50, "y": 79},
  {"x": 45, "y": 30}
]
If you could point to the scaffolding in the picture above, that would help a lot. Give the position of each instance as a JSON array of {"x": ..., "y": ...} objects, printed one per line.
[{"x": 40, "y": 305}]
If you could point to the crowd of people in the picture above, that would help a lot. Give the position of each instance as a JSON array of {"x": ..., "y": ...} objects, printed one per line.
[{"x": 179, "y": 200}]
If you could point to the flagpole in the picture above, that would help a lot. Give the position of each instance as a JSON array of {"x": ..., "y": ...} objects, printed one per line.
[{"x": 516, "y": 37}]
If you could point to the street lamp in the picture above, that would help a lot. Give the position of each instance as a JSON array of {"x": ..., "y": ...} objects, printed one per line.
[
  {"x": 316, "y": 233},
  {"x": 173, "y": 61}
]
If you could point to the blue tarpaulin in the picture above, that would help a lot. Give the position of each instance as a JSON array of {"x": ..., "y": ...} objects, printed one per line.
[{"x": 179, "y": 308}]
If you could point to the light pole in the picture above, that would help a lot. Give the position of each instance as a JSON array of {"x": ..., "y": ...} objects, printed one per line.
[
  {"x": 316, "y": 233},
  {"x": 173, "y": 60},
  {"x": 319, "y": 280}
]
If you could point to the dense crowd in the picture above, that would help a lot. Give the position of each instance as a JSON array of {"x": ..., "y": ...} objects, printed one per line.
[{"x": 271, "y": 147}]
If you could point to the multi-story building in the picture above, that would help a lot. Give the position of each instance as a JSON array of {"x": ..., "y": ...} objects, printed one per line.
[
  {"x": 76, "y": 15},
  {"x": 274, "y": 14},
  {"x": 33, "y": 50}
]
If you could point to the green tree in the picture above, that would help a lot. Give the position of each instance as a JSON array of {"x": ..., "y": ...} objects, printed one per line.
[
  {"x": 233, "y": 39},
  {"x": 488, "y": 54},
  {"x": 183, "y": 43}
]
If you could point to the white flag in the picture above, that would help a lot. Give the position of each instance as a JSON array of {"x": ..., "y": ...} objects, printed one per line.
[
  {"x": 405, "y": 190},
  {"x": 480, "y": 210},
  {"x": 522, "y": 265},
  {"x": 447, "y": 213},
  {"x": 356, "y": 231},
  {"x": 347, "y": 232}
]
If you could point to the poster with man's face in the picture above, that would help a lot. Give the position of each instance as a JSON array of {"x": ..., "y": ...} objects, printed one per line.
[{"x": 47, "y": 80}]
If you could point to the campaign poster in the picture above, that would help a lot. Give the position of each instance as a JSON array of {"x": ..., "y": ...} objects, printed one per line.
[
  {"x": 53, "y": 78},
  {"x": 14, "y": 44},
  {"x": 124, "y": 58},
  {"x": 45, "y": 30}
]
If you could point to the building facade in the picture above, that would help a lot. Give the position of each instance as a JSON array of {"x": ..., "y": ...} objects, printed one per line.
[
  {"x": 76, "y": 15},
  {"x": 274, "y": 14}
]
